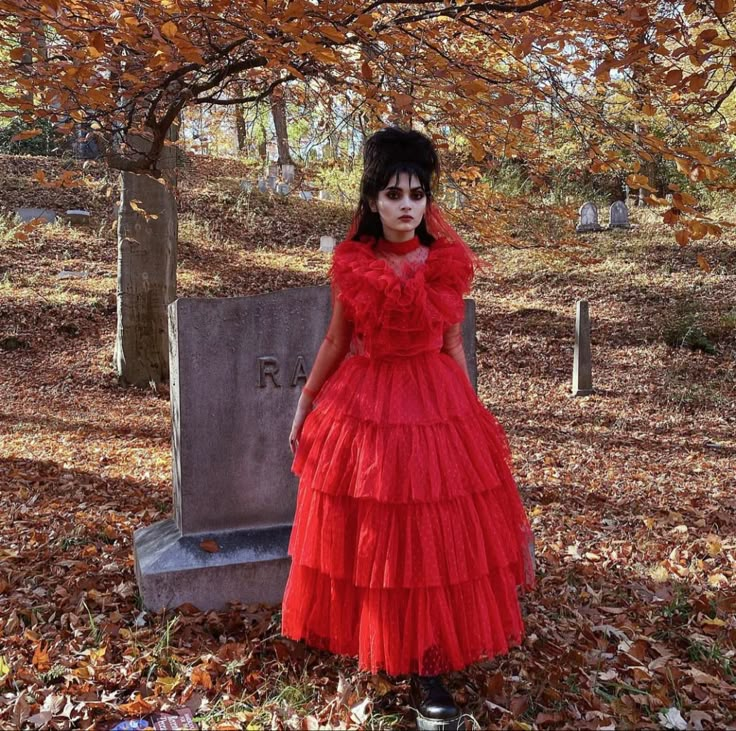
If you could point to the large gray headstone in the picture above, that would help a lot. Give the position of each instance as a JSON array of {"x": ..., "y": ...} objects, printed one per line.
[{"x": 237, "y": 367}]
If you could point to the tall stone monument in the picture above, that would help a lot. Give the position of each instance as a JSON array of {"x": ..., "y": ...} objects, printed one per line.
[{"x": 237, "y": 367}]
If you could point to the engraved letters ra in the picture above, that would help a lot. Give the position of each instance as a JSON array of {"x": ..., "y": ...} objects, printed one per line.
[{"x": 269, "y": 369}]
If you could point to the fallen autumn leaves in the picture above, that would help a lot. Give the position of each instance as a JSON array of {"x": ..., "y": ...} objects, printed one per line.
[{"x": 633, "y": 624}]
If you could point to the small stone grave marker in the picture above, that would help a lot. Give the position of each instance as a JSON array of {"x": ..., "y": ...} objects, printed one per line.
[
  {"x": 327, "y": 243},
  {"x": 78, "y": 217},
  {"x": 43, "y": 215},
  {"x": 619, "y": 216},
  {"x": 67, "y": 274},
  {"x": 588, "y": 218}
]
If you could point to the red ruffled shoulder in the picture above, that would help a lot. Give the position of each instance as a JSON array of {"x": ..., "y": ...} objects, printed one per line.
[
  {"x": 364, "y": 281},
  {"x": 454, "y": 265}
]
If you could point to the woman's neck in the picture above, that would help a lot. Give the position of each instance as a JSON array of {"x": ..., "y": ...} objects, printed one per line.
[
  {"x": 395, "y": 236},
  {"x": 397, "y": 247}
]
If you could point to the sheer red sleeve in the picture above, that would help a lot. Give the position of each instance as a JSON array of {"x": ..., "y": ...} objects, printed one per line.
[
  {"x": 333, "y": 350},
  {"x": 452, "y": 344}
]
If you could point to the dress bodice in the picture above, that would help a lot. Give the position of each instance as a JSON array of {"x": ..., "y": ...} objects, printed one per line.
[
  {"x": 405, "y": 265},
  {"x": 400, "y": 304}
]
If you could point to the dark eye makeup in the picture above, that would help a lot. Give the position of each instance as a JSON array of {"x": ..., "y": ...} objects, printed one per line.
[{"x": 393, "y": 192}]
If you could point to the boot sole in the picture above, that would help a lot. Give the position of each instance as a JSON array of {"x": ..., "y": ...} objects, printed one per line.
[{"x": 440, "y": 724}]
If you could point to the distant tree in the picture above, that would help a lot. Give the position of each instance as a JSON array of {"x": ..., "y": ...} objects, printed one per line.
[{"x": 278, "y": 112}]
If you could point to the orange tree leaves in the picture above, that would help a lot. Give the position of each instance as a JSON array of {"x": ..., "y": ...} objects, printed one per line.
[{"x": 506, "y": 79}]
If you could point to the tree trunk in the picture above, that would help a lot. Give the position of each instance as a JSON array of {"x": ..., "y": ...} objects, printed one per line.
[
  {"x": 263, "y": 145},
  {"x": 147, "y": 247},
  {"x": 240, "y": 120},
  {"x": 278, "y": 112}
]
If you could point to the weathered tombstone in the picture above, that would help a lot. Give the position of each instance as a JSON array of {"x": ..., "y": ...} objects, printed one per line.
[
  {"x": 287, "y": 173},
  {"x": 582, "y": 367},
  {"x": 283, "y": 189},
  {"x": 459, "y": 199},
  {"x": 305, "y": 195},
  {"x": 619, "y": 216},
  {"x": 246, "y": 186},
  {"x": 237, "y": 367},
  {"x": 271, "y": 182},
  {"x": 325, "y": 195},
  {"x": 78, "y": 217},
  {"x": 327, "y": 243},
  {"x": 42, "y": 215},
  {"x": 262, "y": 186},
  {"x": 273, "y": 170},
  {"x": 588, "y": 218}
]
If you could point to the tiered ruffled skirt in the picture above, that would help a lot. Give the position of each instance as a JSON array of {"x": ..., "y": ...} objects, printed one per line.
[{"x": 409, "y": 539}]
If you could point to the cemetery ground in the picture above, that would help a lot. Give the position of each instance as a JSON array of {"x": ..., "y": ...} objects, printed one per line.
[{"x": 630, "y": 491}]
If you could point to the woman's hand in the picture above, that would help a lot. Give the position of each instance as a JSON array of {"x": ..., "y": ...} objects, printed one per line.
[{"x": 302, "y": 410}]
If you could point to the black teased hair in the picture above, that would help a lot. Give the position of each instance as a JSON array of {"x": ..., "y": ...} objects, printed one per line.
[{"x": 386, "y": 154}]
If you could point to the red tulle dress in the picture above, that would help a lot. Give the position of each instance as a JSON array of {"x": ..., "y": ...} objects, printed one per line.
[{"x": 409, "y": 539}]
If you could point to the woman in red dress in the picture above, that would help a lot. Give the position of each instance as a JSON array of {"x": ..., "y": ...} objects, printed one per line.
[{"x": 410, "y": 539}]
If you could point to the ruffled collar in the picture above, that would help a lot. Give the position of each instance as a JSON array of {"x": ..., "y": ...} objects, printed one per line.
[
  {"x": 397, "y": 247},
  {"x": 432, "y": 268}
]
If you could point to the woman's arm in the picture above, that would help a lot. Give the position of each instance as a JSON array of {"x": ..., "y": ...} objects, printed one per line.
[
  {"x": 334, "y": 348},
  {"x": 452, "y": 344}
]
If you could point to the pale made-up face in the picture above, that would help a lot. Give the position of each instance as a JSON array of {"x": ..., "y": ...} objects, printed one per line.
[{"x": 400, "y": 205}]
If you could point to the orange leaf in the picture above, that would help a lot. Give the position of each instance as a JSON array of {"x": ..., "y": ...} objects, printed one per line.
[
  {"x": 673, "y": 77},
  {"x": 402, "y": 101},
  {"x": 27, "y": 134},
  {"x": 201, "y": 677},
  {"x": 722, "y": 7},
  {"x": 169, "y": 29},
  {"x": 97, "y": 41},
  {"x": 40, "y": 659},
  {"x": 365, "y": 71},
  {"x": 209, "y": 545},
  {"x": 516, "y": 121},
  {"x": 682, "y": 236},
  {"x": 696, "y": 82},
  {"x": 136, "y": 707},
  {"x": 477, "y": 150},
  {"x": 703, "y": 263}
]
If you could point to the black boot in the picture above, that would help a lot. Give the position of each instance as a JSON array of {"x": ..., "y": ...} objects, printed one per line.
[{"x": 435, "y": 707}]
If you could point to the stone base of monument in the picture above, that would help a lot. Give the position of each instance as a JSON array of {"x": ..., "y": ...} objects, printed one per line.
[{"x": 249, "y": 566}]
